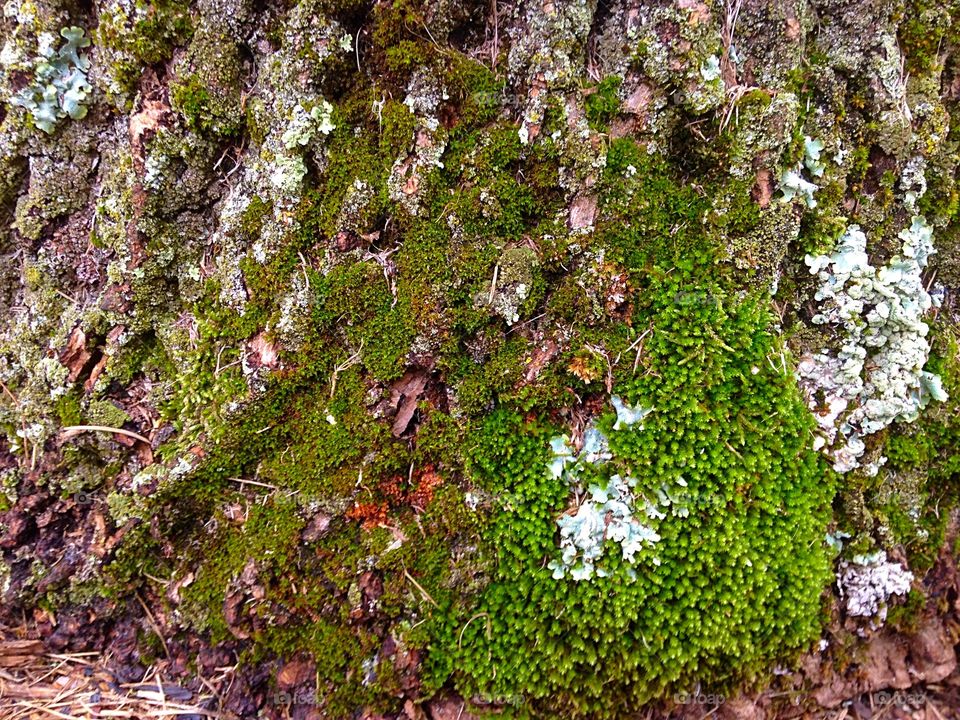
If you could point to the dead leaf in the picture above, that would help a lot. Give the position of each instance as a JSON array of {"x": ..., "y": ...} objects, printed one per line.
[
  {"x": 793, "y": 29},
  {"x": 295, "y": 672},
  {"x": 404, "y": 396},
  {"x": 173, "y": 592},
  {"x": 539, "y": 359},
  {"x": 151, "y": 116},
  {"x": 75, "y": 355},
  {"x": 232, "y": 605},
  {"x": 411, "y": 185},
  {"x": 263, "y": 353},
  {"x": 316, "y": 528},
  {"x": 249, "y": 574},
  {"x": 639, "y": 100},
  {"x": 412, "y": 711},
  {"x": 371, "y": 586},
  {"x": 95, "y": 373},
  {"x": 762, "y": 191}
]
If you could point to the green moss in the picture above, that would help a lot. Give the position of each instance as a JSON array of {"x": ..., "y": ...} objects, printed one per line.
[
  {"x": 923, "y": 29},
  {"x": 407, "y": 55},
  {"x": 907, "y": 616},
  {"x": 207, "y": 92},
  {"x": 338, "y": 653},
  {"x": 603, "y": 104},
  {"x": 267, "y": 539},
  {"x": 735, "y": 564},
  {"x": 68, "y": 409},
  {"x": 480, "y": 384},
  {"x": 739, "y": 582},
  {"x": 649, "y": 216},
  {"x": 104, "y": 412},
  {"x": 358, "y": 295},
  {"x": 198, "y": 106},
  {"x": 147, "y": 36}
]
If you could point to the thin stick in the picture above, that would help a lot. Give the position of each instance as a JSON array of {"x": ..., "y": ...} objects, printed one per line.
[
  {"x": 153, "y": 624},
  {"x": 252, "y": 482},
  {"x": 464, "y": 628},
  {"x": 348, "y": 363},
  {"x": 927, "y": 703},
  {"x": 9, "y": 394},
  {"x": 495, "y": 48},
  {"x": 493, "y": 285},
  {"x": 104, "y": 428},
  {"x": 420, "y": 588},
  {"x": 303, "y": 266},
  {"x": 356, "y": 49}
]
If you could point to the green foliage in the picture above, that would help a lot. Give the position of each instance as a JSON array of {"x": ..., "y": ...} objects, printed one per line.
[
  {"x": 739, "y": 579},
  {"x": 69, "y": 410},
  {"x": 268, "y": 537}
]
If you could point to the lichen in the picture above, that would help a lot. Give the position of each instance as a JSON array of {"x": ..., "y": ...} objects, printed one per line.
[
  {"x": 59, "y": 88},
  {"x": 877, "y": 375},
  {"x": 867, "y": 582},
  {"x": 466, "y": 352}
]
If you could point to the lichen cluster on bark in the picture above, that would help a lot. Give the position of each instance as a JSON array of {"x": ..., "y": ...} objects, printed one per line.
[{"x": 323, "y": 318}]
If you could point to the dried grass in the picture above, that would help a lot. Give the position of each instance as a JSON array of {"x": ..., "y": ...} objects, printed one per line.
[{"x": 74, "y": 686}]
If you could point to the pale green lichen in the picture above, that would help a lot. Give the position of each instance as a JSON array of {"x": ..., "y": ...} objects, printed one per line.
[
  {"x": 792, "y": 182},
  {"x": 304, "y": 125},
  {"x": 59, "y": 88},
  {"x": 877, "y": 376}
]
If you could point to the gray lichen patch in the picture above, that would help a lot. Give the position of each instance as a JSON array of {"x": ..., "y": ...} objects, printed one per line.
[{"x": 511, "y": 285}]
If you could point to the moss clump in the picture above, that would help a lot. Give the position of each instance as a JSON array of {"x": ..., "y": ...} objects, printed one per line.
[
  {"x": 738, "y": 580},
  {"x": 923, "y": 30},
  {"x": 603, "y": 104},
  {"x": 202, "y": 110},
  {"x": 103, "y": 412},
  {"x": 145, "y": 34},
  {"x": 912, "y": 497},
  {"x": 207, "y": 92},
  {"x": 642, "y": 303},
  {"x": 738, "y": 576}
]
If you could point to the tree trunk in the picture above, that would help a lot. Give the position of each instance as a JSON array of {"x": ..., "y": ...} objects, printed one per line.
[{"x": 422, "y": 358}]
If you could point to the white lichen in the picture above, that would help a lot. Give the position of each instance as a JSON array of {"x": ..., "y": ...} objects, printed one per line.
[
  {"x": 877, "y": 375},
  {"x": 811, "y": 156},
  {"x": 610, "y": 509},
  {"x": 304, "y": 125},
  {"x": 288, "y": 173},
  {"x": 794, "y": 184},
  {"x": 628, "y": 415},
  {"x": 606, "y": 515},
  {"x": 710, "y": 69},
  {"x": 867, "y": 582}
]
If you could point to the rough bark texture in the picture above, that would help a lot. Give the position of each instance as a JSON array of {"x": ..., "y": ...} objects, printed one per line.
[{"x": 325, "y": 321}]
